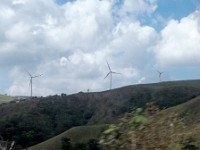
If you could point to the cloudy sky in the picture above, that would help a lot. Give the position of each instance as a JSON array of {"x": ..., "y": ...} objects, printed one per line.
[{"x": 69, "y": 42}]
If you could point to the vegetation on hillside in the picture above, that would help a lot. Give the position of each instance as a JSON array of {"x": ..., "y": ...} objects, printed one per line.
[
  {"x": 48, "y": 119},
  {"x": 76, "y": 136},
  {"x": 35, "y": 120},
  {"x": 148, "y": 130},
  {"x": 186, "y": 114},
  {"x": 90, "y": 145}
]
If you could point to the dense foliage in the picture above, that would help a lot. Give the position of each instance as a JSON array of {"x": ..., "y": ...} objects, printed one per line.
[
  {"x": 50, "y": 118},
  {"x": 90, "y": 145}
]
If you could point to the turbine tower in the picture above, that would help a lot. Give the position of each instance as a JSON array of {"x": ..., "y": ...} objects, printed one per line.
[
  {"x": 160, "y": 74},
  {"x": 110, "y": 73},
  {"x": 31, "y": 80}
]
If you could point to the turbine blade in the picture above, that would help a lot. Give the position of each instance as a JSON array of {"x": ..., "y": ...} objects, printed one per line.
[
  {"x": 158, "y": 71},
  {"x": 116, "y": 73},
  {"x": 29, "y": 74},
  {"x": 108, "y": 66},
  {"x": 107, "y": 75},
  {"x": 37, "y": 76}
]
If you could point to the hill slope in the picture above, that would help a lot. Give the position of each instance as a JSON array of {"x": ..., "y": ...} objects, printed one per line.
[
  {"x": 81, "y": 134},
  {"x": 188, "y": 111},
  {"x": 43, "y": 118},
  {"x": 168, "y": 129}
]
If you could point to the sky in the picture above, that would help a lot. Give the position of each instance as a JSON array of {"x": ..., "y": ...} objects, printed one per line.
[{"x": 70, "y": 42}]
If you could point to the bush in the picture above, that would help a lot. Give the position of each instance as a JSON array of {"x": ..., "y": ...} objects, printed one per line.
[{"x": 90, "y": 145}]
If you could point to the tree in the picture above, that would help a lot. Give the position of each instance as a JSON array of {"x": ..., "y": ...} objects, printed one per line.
[{"x": 66, "y": 144}]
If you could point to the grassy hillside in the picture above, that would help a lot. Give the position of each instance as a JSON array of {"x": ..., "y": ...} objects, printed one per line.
[
  {"x": 43, "y": 118},
  {"x": 81, "y": 134},
  {"x": 175, "y": 128},
  {"x": 5, "y": 99},
  {"x": 188, "y": 111}
]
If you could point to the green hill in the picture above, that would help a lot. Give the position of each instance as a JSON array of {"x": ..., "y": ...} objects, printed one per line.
[
  {"x": 35, "y": 120},
  {"x": 188, "y": 111}
]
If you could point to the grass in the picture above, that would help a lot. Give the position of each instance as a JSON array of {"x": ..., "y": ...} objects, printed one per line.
[
  {"x": 81, "y": 134},
  {"x": 189, "y": 112},
  {"x": 5, "y": 99},
  {"x": 163, "y": 130}
]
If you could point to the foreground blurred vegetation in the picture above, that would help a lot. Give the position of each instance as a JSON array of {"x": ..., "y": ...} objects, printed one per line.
[{"x": 148, "y": 129}]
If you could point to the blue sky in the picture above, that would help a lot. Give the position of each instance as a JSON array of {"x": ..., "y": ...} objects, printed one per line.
[
  {"x": 176, "y": 9},
  {"x": 70, "y": 41},
  {"x": 61, "y": 2}
]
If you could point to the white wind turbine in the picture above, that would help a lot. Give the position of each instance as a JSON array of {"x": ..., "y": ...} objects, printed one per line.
[
  {"x": 110, "y": 73},
  {"x": 31, "y": 80},
  {"x": 160, "y": 74}
]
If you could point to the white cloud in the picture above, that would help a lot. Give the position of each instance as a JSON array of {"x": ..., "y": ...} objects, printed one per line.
[
  {"x": 141, "y": 80},
  {"x": 129, "y": 72},
  {"x": 69, "y": 44},
  {"x": 63, "y": 61},
  {"x": 17, "y": 2},
  {"x": 8, "y": 11},
  {"x": 18, "y": 33},
  {"x": 131, "y": 43},
  {"x": 44, "y": 37},
  {"x": 179, "y": 44},
  {"x": 139, "y": 6}
]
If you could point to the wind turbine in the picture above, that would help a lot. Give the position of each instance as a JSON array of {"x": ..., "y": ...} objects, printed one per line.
[
  {"x": 110, "y": 73},
  {"x": 31, "y": 80},
  {"x": 160, "y": 74}
]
